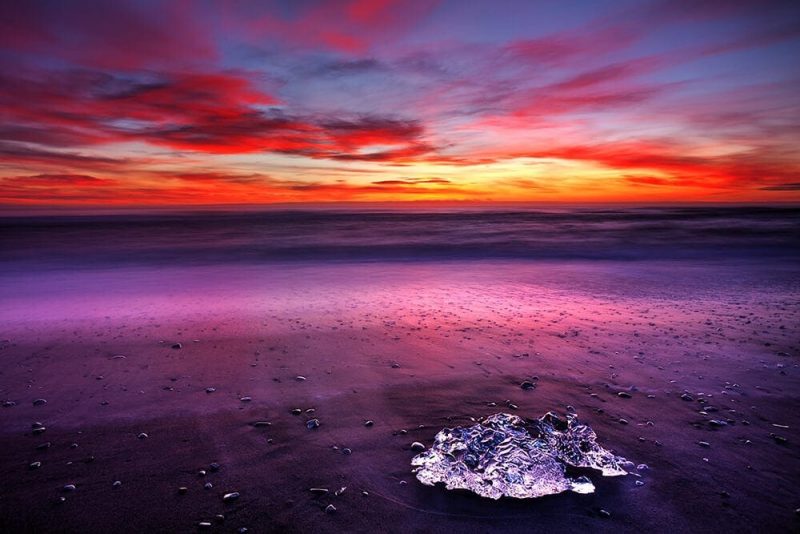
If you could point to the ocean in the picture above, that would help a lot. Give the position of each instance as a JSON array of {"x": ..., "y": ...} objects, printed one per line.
[{"x": 375, "y": 235}]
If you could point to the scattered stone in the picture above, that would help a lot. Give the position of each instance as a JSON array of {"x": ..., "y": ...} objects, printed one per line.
[
  {"x": 204, "y": 525},
  {"x": 183, "y": 490},
  {"x": 318, "y": 491},
  {"x": 623, "y": 421},
  {"x": 417, "y": 446},
  {"x": 230, "y": 497},
  {"x": 300, "y": 378},
  {"x": 34, "y": 465},
  {"x": 261, "y": 424},
  {"x": 9, "y": 404},
  {"x": 38, "y": 429},
  {"x": 624, "y": 395},
  {"x": 340, "y": 491},
  {"x": 704, "y": 444},
  {"x": 330, "y": 509},
  {"x": 639, "y": 483},
  {"x": 687, "y": 397},
  {"x": 211, "y": 390},
  {"x": 246, "y": 399},
  {"x": 369, "y": 423},
  {"x": 42, "y": 446},
  {"x": 527, "y": 385},
  {"x": 717, "y": 423},
  {"x": 214, "y": 467},
  {"x": 779, "y": 439},
  {"x": 116, "y": 484},
  {"x": 312, "y": 423},
  {"x": 143, "y": 435},
  {"x": 208, "y": 485},
  {"x": 605, "y": 514},
  {"x": 39, "y": 402},
  {"x": 177, "y": 346},
  {"x": 297, "y": 411},
  {"x": 395, "y": 366},
  {"x": 201, "y": 473},
  {"x": 69, "y": 487},
  {"x": 347, "y": 451}
]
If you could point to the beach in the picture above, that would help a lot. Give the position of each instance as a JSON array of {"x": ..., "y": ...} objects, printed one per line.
[{"x": 162, "y": 374}]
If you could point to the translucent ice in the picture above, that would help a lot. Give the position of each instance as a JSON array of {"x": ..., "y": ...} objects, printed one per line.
[{"x": 506, "y": 455}]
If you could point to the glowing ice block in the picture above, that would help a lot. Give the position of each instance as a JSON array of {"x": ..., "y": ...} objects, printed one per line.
[{"x": 507, "y": 456}]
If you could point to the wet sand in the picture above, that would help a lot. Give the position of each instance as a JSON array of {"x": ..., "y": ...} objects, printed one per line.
[{"x": 411, "y": 346}]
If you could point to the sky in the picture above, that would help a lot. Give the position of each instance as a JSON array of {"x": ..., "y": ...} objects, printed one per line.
[{"x": 189, "y": 103}]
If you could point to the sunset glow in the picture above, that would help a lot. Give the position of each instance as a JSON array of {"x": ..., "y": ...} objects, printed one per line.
[{"x": 189, "y": 103}]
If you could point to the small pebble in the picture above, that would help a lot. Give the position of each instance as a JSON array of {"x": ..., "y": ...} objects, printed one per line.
[
  {"x": 624, "y": 395},
  {"x": 246, "y": 399},
  {"x": 330, "y": 509},
  {"x": 34, "y": 465},
  {"x": 417, "y": 446},
  {"x": 230, "y": 497},
  {"x": 69, "y": 487},
  {"x": 39, "y": 402},
  {"x": 211, "y": 390},
  {"x": 116, "y": 484},
  {"x": 312, "y": 423},
  {"x": 177, "y": 346},
  {"x": 369, "y": 423},
  {"x": 143, "y": 435}
]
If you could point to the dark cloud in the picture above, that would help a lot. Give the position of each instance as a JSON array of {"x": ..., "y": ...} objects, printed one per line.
[{"x": 795, "y": 186}]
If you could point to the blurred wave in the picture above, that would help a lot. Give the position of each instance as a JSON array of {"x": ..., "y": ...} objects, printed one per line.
[{"x": 401, "y": 235}]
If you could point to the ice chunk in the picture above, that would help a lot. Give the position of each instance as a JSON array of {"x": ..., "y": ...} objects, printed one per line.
[{"x": 506, "y": 455}]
